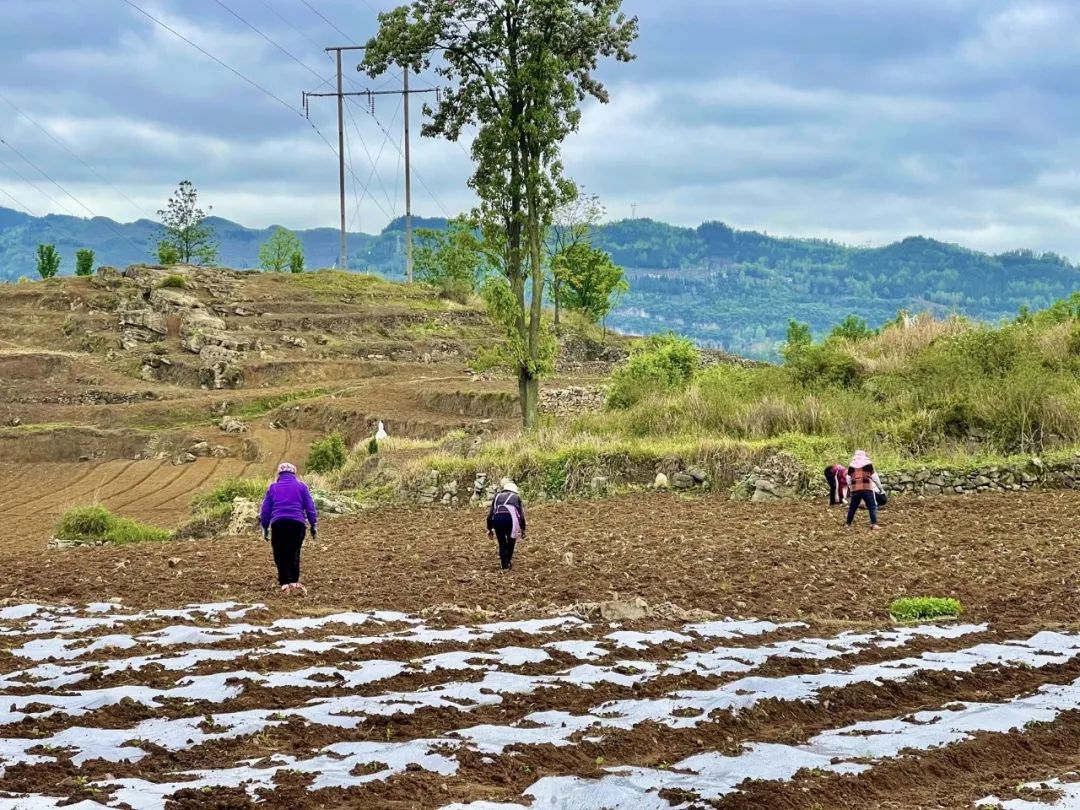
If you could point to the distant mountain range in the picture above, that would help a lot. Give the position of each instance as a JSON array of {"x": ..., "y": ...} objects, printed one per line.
[{"x": 723, "y": 287}]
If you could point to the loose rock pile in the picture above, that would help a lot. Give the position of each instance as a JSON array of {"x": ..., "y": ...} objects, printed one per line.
[
  {"x": 572, "y": 400},
  {"x": 781, "y": 476}
]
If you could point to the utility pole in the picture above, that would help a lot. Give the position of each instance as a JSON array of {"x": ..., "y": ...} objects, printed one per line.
[
  {"x": 340, "y": 95},
  {"x": 406, "y": 93},
  {"x": 370, "y": 95},
  {"x": 633, "y": 210},
  {"x": 408, "y": 184},
  {"x": 344, "y": 262}
]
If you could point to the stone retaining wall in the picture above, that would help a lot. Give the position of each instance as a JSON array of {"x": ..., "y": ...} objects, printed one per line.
[
  {"x": 1034, "y": 474},
  {"x": 782, "y": 477}
]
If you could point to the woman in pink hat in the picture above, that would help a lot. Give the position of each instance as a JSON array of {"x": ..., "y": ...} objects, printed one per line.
[
  {"x": 863, "y": 487},
  {"x": 287, "y": 503}
]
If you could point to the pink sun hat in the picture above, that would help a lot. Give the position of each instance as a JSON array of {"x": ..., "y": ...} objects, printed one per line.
[
  {"x": 860, "y": 460},
  {"x": 286, "y": 467}
]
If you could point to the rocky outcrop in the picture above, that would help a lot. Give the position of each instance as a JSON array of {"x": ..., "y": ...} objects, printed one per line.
[
  {"x": 140, "y": 324},
  {"x": 150, "y": 312},
  {"x": 244, "y": 518},
  {"x": 221, "y": 368},
  {"x": 198, "y": 329},
  {"x": 334, "y": 503}
]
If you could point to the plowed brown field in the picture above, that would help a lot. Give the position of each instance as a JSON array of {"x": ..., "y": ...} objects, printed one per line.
[{"x": 324, "y": 701}]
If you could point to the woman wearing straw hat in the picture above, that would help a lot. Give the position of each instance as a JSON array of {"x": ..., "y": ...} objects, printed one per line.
[
  {"x": 862, "y": 487},
  {"x": 287, "y": 503},
  {"x": 506, "y": 521}
]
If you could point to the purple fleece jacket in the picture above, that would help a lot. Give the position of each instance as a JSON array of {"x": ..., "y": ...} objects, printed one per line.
[{"x": 287, "y": 499}]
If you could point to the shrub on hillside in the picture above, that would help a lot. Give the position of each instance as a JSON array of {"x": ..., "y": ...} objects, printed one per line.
[
  {"x": 822, "y": 365},
  {"x": 96, "y": 525},
  {"x": 327, "y": 454},
  {"x": 174, "y": 281},
  {"x": 661, "y": 364}
]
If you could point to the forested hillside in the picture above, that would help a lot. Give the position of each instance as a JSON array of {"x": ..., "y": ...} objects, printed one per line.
[
  {"x": 738, "y": 289},
  {"x": 722, "y": 287}
]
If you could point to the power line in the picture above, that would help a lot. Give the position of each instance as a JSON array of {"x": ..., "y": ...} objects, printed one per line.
[
  {"x": 236, "y": 73},
  {"x": 293, "y": 26},
  {"x": 209, "y": 55},
  {"x": 44, "y": 174},
  {"x": 15, "y": 200},
  {"x": 267, "y": 38},
  {"x": 324, "y": 18},
  {"x": 36, "y": 188},
  {"x": 418, "y": 176},
  {"x": 373, "y": 161},
  {"x": 113, "y": 226},
  {"x": 63, "y": 146}
]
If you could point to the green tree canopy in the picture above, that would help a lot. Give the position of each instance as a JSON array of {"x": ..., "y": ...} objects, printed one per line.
[
  {"x": 852, "y": 328},
  {"x": 593, "y": 281},
  {"x": 519, "y": 71},
  {"x": 281, "y": 252},
  {"x": 452, "y": 260},
  {"x": 48, "y": 261},
  {"x": 84, "y": 262},
  {"x": 187, "y": 236},
  {"x": 573, "y": 223}
]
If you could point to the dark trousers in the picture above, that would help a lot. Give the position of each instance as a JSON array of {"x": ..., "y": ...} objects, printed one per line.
[
  {"x": 287, "y": 538},
  {"x": 858, "y": 498},
  {"x": 834, "y": 489},
  {"x": 504, "y": 528}
]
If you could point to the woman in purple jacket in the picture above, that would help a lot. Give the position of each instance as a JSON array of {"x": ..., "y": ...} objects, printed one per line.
[{"x": 284, "y": 508}]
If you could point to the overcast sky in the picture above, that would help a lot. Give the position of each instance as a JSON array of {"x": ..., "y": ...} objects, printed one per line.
[{"x": 859, "y": 120}]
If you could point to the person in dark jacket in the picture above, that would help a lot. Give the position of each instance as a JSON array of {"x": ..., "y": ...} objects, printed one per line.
[
  {"x": 506, "y": 521},
  {"x": 286, "y": 505},
  {"x": 863, "y": 488}
]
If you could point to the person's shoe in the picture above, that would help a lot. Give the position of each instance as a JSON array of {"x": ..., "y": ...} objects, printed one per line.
[
  {"x": 286, "y": 588},
  {"x": 297, "y": 588},
  {"x": 875, "y": 528}
]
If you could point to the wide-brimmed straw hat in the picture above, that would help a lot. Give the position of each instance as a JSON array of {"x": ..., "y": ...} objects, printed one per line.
[
  {"x": 506, "y": 485},
  {"x": 286, "y": 467},
  {"x": 860, "y": 460}
]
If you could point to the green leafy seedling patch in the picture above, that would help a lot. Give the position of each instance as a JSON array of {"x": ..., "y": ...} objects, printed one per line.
[{"x": 915, "y": 608}]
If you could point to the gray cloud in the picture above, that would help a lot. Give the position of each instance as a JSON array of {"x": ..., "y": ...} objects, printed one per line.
[{"x": 837, "y": 118}]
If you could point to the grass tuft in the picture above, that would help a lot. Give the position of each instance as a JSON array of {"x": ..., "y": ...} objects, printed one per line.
[
  {"x": 174, "y": 282},
  {"x": 96, "y": 525},
  {"x": 220, "y": 498}
]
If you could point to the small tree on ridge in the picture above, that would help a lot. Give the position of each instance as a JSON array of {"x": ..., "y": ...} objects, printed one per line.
[
  {"x": 187, "y": 236},
  {"x": 48, "y": 261},
  {"x": 281, "y": 252},
  {"x": 84, "y": 262}
]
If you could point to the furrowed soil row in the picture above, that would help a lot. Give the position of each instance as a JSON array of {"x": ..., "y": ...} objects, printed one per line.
[
  {"x": 557, "y": 715},
  {"x": 153, "y": 487},
  {"x": 192, "y": 487},
  {"x": 49, "y": 480}
]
